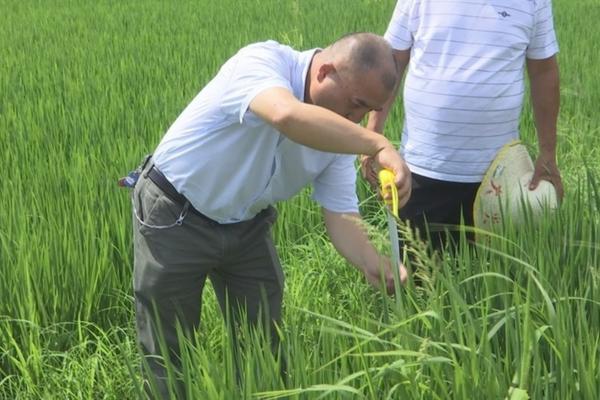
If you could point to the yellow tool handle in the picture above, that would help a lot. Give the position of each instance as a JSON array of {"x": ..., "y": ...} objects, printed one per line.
[{"x": 388, "y": 187}]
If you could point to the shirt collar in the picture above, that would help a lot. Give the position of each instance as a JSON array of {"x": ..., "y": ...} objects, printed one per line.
[{"x": 301, "y": 69}]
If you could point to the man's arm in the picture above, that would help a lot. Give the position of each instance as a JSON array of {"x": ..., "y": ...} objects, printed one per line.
[
  {"x": 314, "y": 126},
  {"x": 351, "y": 241},
  {"x": 545, "y": 99},
  {"x": 324, "y": 130},
  {"x": 376, "y": 121}
]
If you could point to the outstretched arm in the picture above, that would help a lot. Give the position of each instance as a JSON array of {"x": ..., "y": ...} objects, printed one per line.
[
  {"x": 376, "y": 121},
  {"x": 545, "y": 98},
  {"x": 351, "y": 241}
]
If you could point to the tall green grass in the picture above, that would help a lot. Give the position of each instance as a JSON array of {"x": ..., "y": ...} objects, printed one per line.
[{"x": 87, "y": 88}]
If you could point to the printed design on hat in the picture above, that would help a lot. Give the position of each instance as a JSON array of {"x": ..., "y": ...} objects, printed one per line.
[
  {"x": 504, "y": 193},
  {"x": 491, "y": 218},
  {"x": 496, "y": 189}
]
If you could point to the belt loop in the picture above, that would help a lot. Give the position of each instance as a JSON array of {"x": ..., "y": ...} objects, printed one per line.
[
  {"x": 148, "y": 171},
  {"x": 147, "y": 158}
]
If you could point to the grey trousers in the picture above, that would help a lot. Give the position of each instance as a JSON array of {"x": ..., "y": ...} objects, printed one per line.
[{"x": 171, "y": 266}]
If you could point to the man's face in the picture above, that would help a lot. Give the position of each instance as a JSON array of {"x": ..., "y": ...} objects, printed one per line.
[{"x": 352, "y": 96}]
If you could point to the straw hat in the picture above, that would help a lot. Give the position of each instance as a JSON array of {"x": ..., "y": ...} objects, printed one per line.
[{"x": 504, "y": 192}]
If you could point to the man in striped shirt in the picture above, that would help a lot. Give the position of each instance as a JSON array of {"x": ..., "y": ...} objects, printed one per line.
[{"x": 463, "y": 96}]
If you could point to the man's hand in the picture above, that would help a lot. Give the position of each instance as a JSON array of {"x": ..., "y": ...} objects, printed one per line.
[
  {"x": 367, "y": 171},
  {"x": 546, "y": 169},
  {"x": 388, "y": 158},
  {"x": 375, "y": 273},
  {"x": 351, "y": 241}
]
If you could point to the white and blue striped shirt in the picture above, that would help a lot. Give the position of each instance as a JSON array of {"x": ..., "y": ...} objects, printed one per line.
[{"x": 464, "y": 88}]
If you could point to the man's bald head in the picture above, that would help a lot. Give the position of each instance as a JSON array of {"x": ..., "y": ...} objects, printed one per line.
[
  {"x": 353, "y": 76},
  {"x": 360, "y": 53}
]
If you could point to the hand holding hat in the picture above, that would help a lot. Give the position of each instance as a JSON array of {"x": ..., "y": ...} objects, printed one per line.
[
  {"x": 546, "y": 169},
  {"x": 506, "y": 190}
]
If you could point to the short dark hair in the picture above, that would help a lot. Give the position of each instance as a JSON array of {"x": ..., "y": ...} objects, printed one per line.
[{"x": 369, "y": 51}]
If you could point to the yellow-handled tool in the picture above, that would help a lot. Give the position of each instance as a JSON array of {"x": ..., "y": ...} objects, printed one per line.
[{"x": 388, "y": 189}]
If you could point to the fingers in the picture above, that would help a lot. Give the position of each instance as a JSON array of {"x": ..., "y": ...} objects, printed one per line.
[
  {"x": 389, "y": 278},
  {"x": 367, "y": 171},
  {"x": 404, "y": 190},
  {"x": 375, "y": 275},
  {"x": 403, "y": 184},
  {"x": 403, "y": 274},
  {"x": 372, "y": 178},
  {"x": 541, "y": 172},
  {"x": 560, "y": 191},
  {"x": 548, "y": 171},
  {"x": 365, "y": 165},
  {"x": 390, "y": 159},
  {"x": 391, "y": 286}
]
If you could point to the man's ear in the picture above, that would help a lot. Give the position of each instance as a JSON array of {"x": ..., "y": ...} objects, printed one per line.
[{"x": 324, "y": 70}]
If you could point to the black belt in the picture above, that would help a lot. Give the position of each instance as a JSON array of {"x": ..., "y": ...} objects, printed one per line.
[{"x": 163, "y": 183}]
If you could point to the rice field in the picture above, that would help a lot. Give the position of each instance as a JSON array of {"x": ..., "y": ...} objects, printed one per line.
[{"x": 88, "y": 87}]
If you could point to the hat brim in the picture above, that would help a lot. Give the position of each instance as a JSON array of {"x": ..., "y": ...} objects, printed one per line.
[{"x": 504, "y": 191}]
